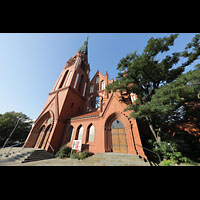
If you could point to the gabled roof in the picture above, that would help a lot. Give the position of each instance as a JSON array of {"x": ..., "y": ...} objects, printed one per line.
[
  {"x": 86, "y": 115},
  {"x": 97, "y": 73}
]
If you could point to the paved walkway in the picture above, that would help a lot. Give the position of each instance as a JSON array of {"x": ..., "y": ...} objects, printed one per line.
[
  {"x": 104, "y": 159},
  {"x": 97, "y": 160},
  {"x": 49, "y": 162}
]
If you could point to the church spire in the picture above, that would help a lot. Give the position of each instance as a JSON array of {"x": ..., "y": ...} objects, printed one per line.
[{"x": 84, "y": 48}]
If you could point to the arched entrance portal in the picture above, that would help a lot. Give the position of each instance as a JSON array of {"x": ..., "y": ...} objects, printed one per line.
[
  {"x": 41, "y": 132},
  {"x": 118, "y": 137}
]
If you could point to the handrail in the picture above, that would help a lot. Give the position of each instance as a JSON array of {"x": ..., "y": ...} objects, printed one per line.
[
  {"x": 150, "y": 151},
  {"x": 51, "y": 146},
  {"x": 14, "y": 145}
]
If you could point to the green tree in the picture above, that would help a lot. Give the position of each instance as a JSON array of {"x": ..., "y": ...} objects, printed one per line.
[
  {"x": 8, "y": 122},
  {"x": 173, "y": 105},
  {"x": 144, "y": 74},
  {"x": 171, "y": 100}
]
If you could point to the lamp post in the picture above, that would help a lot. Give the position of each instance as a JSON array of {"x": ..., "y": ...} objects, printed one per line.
[{"x": 11, "y": 132}]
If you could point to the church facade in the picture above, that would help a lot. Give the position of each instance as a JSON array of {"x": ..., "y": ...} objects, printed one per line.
[{"x": 78, "y": 108}]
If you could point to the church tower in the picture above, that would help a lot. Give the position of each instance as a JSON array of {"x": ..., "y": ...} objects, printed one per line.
[{"x": 67, "y": 99}]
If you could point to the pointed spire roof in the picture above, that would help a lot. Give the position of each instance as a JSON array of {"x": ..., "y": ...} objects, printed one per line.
[{"x": 84, "y": 48}]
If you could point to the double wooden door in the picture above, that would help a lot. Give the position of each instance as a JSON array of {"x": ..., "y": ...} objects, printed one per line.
[{"x": 119, "y": 142}]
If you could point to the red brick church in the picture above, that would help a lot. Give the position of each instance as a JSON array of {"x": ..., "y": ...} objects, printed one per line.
[{"x": 78, "y": 108}]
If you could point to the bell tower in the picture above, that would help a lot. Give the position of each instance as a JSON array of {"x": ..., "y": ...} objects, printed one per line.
[{"x": 66, "y": 99}]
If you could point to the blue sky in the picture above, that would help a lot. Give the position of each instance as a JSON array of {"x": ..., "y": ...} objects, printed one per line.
[{"x": 30, "y": 63}]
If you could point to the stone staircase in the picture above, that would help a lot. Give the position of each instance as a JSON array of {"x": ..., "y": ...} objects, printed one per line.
[
  {"x": 28, "y": 156},
  {"x": 114, "y": 159},
  {"x": 99, "y": 159},
  {"x": 22, "y": 155}
]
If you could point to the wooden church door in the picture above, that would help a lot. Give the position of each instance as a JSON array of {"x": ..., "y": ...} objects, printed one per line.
[{"x": 119, "y": 142}]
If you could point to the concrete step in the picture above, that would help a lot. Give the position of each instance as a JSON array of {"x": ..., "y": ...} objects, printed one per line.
[
  {"x": 115, "y": 159},
  {"x": 38, "y": 155},
  {"x": 26, "y": 156},
  {"x": 19, "y": 154}
]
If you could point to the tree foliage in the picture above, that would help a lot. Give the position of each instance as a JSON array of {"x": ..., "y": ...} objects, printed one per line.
[
  {"x": 169, "y": 100},
  {"x": 160, "y": 85},
  {"x": 8, "y": 121}
]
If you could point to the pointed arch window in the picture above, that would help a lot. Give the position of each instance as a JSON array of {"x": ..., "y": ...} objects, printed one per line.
[
  {"x": 68, "y": 78},
  {"x": 97, "y": 79},
  {"x": 91, "y": 88},
  {"x": 90, "y": 133},
  {"x": 41, "y": 135},
  {"x": 83, "y": 65},
  {"x": 63, "y": 79},
  {"x": 46, "y": 136},
  {"x": 49, "y": 121},
  {"x": 81, "y": 83},
  {"x": 77, "y": 76},
  {"x": 79, "y": 135},
  {"x": 103, "y": 85},
  {"x": 97, "y": 102},
  {"x": 71, "y": 131},
  {"x": 59, "y": 82}
]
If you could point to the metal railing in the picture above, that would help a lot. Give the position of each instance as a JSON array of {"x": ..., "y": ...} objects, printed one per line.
[
  {"x": 51, "y": 146},
  {"x": 149, "y": 151}
]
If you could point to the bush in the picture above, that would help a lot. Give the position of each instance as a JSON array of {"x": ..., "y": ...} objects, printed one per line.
[
  {"x": 171, "y": 154},
  {"x": 81, "y": 155},
  {"x": 167, "y": 163},
  {"x": 85, "y": 154},
  {"x": 64, "y": 152},
  {"x": 75, "y": 155}
]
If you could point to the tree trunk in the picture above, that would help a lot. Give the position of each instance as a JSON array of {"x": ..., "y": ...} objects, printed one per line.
[{"x": 157, "y": 137}]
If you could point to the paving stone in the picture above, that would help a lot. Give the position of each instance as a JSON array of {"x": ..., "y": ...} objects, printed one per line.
[{"x": 103, "y": 159}]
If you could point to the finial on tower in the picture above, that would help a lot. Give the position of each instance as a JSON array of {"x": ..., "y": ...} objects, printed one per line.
[{"x": 84, "y": 48}]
